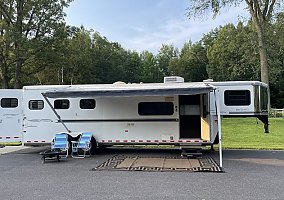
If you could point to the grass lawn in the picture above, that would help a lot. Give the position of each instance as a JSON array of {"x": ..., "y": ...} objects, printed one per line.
[{"x": 248, "y": 133}]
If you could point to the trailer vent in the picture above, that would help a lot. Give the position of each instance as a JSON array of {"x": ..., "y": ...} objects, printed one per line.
[{"x": 173, "y": 79}]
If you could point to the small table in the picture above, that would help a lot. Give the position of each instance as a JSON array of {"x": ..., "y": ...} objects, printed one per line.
[{"x": 50, "y": 155}]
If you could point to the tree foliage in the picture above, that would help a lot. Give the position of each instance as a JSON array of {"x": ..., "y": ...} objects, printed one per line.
[
  {"x": 261, "y": 12},
  {"x": 24, "y": 26},
  {"x": 62, "y": 54}
]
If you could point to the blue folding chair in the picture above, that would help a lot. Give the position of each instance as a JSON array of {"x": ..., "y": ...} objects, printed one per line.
[
  {"x": 83, "y": 144},
  {"x": 60, "y": 143}
]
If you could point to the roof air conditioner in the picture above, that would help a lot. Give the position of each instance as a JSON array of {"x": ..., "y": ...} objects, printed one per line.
[{"x": 173, "y": 79}]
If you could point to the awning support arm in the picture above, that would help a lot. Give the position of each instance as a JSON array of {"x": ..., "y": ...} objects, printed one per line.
[
  {"x": 56, "y": 114},
  {"x": 217, "y": 99}
]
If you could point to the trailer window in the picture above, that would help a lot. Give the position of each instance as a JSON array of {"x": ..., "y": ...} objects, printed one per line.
[
  {"x": 36, "y": 104},
  {"x": 263, "y": 99},
  {"x": 9, "y": 103},
  {"x": 87, "y": 103},
  {"x": 237, "y": 97},
  {"x": 156, "y": 108},
  {"x": 61, "y": 104}
]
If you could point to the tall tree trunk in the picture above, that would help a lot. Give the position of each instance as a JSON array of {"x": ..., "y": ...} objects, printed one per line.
[
  {"x": 4, "y": 75},
  {"x": 264, "y": 62},
  {"x": 260, "y": 21},
  {"x": 18, "y": 43}
]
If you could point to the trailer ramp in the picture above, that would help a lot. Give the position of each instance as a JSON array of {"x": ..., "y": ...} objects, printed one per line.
[{"x": 159, "y": 164}]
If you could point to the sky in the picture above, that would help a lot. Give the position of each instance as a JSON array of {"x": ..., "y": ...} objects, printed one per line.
[{"x": 146, "y": 24}]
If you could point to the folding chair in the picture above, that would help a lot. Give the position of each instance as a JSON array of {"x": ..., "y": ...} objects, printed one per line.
[
  {"x": 84, "y": 144},
  {"x": 61, "y": 144}
]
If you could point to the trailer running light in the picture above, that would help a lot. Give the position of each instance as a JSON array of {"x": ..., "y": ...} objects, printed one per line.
[
  {"x": 43, "y": 141},
  {"x": 8, "y": 137},
  {"x": 156, "y": 141}
]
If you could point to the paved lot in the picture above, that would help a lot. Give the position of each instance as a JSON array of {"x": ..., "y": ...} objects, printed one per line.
[{"x": 249, "y": 175}]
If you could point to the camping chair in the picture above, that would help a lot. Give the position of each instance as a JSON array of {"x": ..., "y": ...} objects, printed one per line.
[
  {"x": 60, "y": 144},
  {"x": 83, "y": 144}
]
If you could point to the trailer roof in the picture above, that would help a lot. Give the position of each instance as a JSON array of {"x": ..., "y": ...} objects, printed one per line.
[{"x": 120, "y": 89}]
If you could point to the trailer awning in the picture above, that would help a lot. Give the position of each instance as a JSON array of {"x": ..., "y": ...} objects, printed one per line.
[{"x": 130, "y": 90}]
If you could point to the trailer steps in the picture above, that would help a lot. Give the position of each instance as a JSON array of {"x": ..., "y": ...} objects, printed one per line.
[{"x": 191, "y": 152}]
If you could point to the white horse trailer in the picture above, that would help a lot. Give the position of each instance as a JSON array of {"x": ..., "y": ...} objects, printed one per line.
[{"x": 173, "y": 112}]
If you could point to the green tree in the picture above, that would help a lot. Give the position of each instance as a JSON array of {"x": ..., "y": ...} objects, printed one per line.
[
  {"x": 164, "y": 57},
  {"x": 191, "y": 63},
  {"x": 24, "y": 26},
  {"x": 261, "y": 12},
  {"x": 149, "y": 71},
  {"x": 232, "y": 54}
]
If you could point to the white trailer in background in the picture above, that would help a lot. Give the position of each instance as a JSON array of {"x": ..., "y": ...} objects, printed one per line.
[
  {"x": 173, "y": 112},
  {"x": 11, "y": 115}
]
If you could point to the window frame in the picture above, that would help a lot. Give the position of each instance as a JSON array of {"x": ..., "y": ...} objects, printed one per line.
[
  {"x": 246, "y": 100},
  {"x": 10, "y": 103},
  {"x": 38, "y": 107},
  {"x": 62, "y": 107},
  {"x": 94, "y": 103},
  {"x": 145, "y": 110}
]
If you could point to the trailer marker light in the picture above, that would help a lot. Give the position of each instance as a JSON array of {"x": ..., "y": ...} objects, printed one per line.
[
  {"x": 103, "y": 141},
  {"x": 16, "y": 137},
  {"x": 140, "y": 140},
  {"x": 172, "y": 141},
  {"x": 29, "y": 141},
  {"x": 35, "y": 141},
  {"x": 43, "y": 141},
  {"x": 125, "y": 141},
  {"x": 196, "y": 141},
  {"x": 148, "y": 140},
  {"x": 132, "y": 140},
  {"x": 156, "y": 140},
  {"x": 117, "y": 140},
  {"x": 8, "y": 137},
  {"x": 164, "y": 140},
  {"x": 179, "y": 140},
  {"x": 188, "y": 140},
  {"x": 109, "y": 140},
  {"x": 126, "y": 131}
]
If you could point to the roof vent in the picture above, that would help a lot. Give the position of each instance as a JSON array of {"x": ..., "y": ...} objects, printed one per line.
[
  {"x": 208, "y": 80},
  {"x": 173, "y": 79}
]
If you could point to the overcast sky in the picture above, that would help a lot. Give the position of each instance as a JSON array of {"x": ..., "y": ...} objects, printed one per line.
[{"x": 146, "y": 24}]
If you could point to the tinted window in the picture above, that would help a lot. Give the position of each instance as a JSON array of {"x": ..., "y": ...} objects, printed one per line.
[
  {"x": 61, "y": 104},
  {"x": 87, "y": 103},
  {"x": 156, "y": 108},
  {"x": 237, "y": 97},
  {"x": 9, "y": 103},
  {"x": 36, "y": 104},
  {"x": 263, "y": 99}
]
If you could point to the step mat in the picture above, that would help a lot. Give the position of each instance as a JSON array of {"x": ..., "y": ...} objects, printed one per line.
[{"x": 162, "y": 164}]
